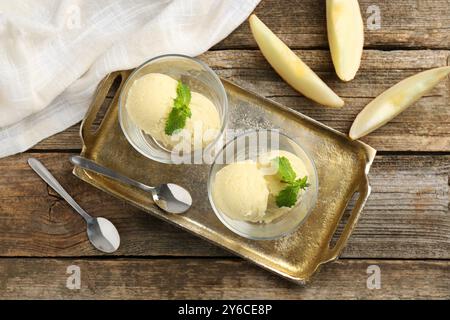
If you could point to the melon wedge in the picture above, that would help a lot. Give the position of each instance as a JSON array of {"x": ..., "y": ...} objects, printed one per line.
[
  {"x": 345, "y": 36},
  {"x": 393, "y": 101},
  {"x": 290, "y": 67}
]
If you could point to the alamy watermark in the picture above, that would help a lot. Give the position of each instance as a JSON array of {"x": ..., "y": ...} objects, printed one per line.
[
  {"x": 374, "y": 17},
  {"x": 73, "y": 17},
  {"x": 374, "y": 278},
  {"x": 73, "y": 281}
]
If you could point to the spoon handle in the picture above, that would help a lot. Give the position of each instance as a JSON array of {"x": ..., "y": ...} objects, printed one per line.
[
  {"x": 42, "y": 171},
  {"x": 92, "y": 166}
]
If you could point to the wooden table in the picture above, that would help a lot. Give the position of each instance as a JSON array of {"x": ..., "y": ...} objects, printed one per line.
[{"x": 404, "y": 229}]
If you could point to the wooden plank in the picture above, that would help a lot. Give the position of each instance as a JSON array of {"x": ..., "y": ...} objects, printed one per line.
[
  {"x": 68, "y": 139},
  {"x": 224, "y": 279},
  {"x": 407, "y": 215},
  {"x": 302, "y": 24},
  {"x": 379, "y": 70},
  {"x": 423, "y": 127}
]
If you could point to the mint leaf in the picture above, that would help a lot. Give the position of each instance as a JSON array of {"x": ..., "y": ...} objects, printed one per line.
[
  {"x": 288, "y": 196},
  {"x": 302, "y": 183},
  {"x": 177, "y": 119},
  {"x": 183, "y": 94},
  {"x": 180, "y": 111},
  {"x": 285, "y": 171}
]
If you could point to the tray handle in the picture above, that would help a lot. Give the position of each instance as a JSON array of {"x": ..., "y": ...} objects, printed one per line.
[
  {"x": 87, "y": 136},
  {"x": 331, "y": 254}
]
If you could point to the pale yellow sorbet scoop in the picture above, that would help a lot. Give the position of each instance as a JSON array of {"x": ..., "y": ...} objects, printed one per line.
[
  {"x": 246, "y": 190},
  {"x": 240, "y": 191},
  {"x": 150, "y": 101}
]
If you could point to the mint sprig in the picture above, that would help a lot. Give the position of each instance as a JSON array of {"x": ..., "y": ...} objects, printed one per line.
[
  {"x": 285, "y": 171},
  {"x": 288, "y": 196},
  {"x": 180, "y": 111}
]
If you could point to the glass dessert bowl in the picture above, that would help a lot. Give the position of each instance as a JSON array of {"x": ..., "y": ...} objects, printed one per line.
[
  {"x": 172, "y": 107},
  {"x": 262, "y": 185}
]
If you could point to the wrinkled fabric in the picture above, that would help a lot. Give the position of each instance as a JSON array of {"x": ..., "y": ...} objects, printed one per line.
[{"x": 53, "y": 53}]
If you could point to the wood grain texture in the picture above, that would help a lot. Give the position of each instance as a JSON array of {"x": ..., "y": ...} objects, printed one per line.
[
  {"x": 406, "y": 217},
  {"x": 425, "y": 126},
  {"x": 224, "y": 279},
  {"x": 302, "y": 24},
  {"x": 404, "y": 228}
]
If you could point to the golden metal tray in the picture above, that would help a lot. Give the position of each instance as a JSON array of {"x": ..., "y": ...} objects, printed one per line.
[{"x": 342, "y": 167}]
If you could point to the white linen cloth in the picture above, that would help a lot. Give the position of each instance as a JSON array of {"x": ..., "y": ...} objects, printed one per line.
[{"x": 53, "y": 53}]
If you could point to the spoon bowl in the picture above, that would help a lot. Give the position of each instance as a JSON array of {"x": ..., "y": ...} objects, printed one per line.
[
  {"x": 103, "y": 235},
  {"x": 172, "y": 198}
]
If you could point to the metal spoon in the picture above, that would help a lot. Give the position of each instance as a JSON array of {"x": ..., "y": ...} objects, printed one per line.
[
  {"x": 169, "y": 196},
  {"x": 101, "y": 232}
]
